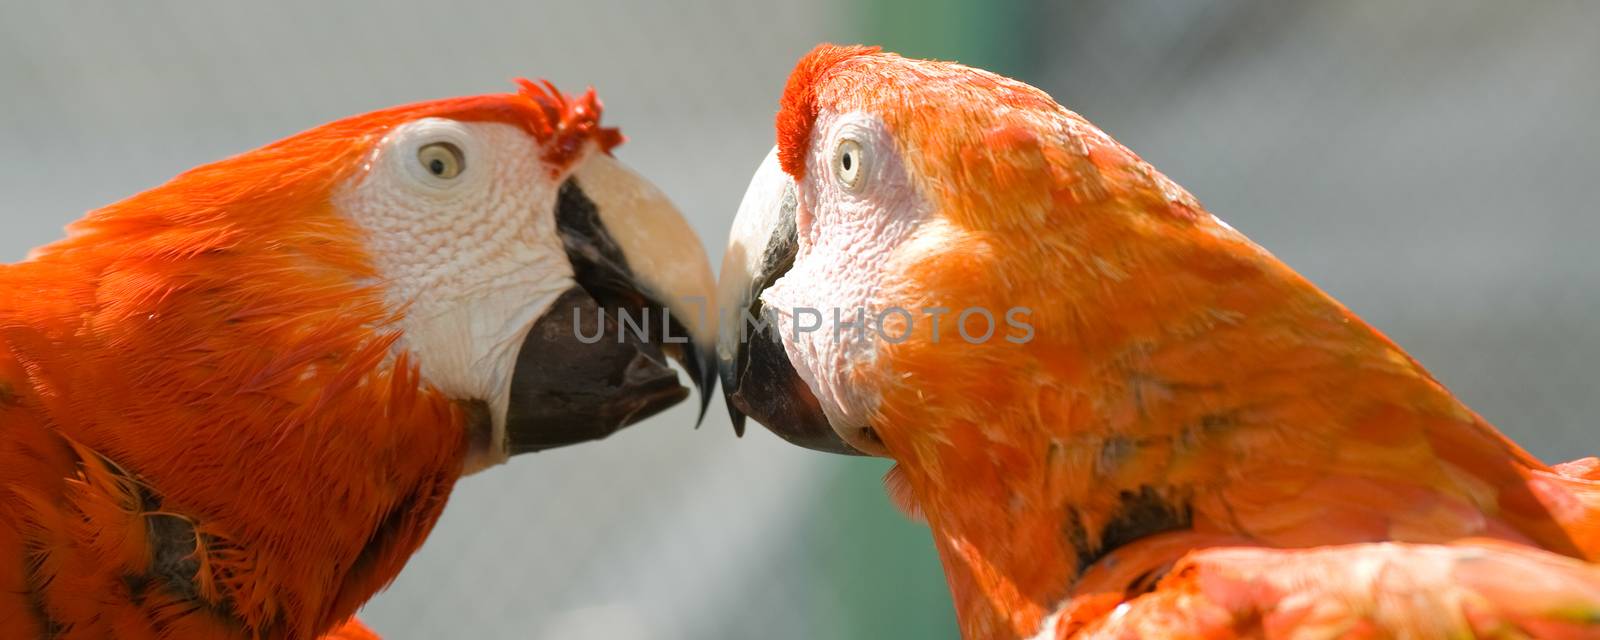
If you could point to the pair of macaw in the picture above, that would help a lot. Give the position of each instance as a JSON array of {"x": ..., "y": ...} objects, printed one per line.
[{"x": 233, "y": 405}]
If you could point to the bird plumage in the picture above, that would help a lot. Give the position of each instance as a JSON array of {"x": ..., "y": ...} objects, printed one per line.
[
  {"x": 1178, "y": 378},
  {"x": 205, "y": 430}
]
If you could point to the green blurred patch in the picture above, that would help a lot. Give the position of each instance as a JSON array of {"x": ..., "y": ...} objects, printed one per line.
[
  {"x": 879, "y": 572},
  {"x": 989, "y": 35}
]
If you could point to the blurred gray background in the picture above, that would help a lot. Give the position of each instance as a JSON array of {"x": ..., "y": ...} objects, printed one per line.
[{"x": 1432, "y": 163}]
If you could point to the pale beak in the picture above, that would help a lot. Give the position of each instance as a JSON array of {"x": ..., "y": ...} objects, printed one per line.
[
  {"x": 758, "y": 378},
  {"x": 633, "y": 257}
]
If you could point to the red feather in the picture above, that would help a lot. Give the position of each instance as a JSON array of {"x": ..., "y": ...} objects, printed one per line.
[
  {"x": 203, "y": 429},
  {"x": 798, "y": 108}
]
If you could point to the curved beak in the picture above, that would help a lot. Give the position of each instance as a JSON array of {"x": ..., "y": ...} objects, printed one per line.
[
  {"x": 758, "y": 379},
  {"x": 596, "y": 361}
]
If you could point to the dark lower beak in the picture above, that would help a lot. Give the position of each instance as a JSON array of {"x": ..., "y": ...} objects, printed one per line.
[
  {"x": 761, "y": 383},
  {"x": 567, "y": 389},
  {"x": 596, "y": 361}
]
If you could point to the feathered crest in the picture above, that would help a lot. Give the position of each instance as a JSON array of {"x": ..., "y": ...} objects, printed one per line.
[
  {"x": 566, "y": 121},
  {"x": 798, "y": 108}
]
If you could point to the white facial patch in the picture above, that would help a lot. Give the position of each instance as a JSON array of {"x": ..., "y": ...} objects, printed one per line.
[
  {"x": 856, "y": 206},
  {"x": 469, "y": 253}
]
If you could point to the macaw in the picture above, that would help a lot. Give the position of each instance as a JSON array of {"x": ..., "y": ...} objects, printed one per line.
[
  {"x": 232, "y": 406},
  {"x": 1118, "y": 416}
]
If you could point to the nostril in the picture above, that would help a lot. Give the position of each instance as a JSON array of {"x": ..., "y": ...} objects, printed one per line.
[{"x": 870, "y": 435}]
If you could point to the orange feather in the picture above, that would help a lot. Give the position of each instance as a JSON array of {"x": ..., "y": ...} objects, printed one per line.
[
  {"x": 204, "y": 432},
  {"x": 1180, "y": 378}
]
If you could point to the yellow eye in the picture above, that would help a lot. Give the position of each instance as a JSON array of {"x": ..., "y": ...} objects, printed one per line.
[
  {"x": 847, "y": 161},
  {"x": 442, "y": 160}
]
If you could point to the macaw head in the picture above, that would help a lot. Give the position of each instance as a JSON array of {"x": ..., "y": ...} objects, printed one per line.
[
  {"x": 939, "y": 264},
  {"x": 511, "y": 239},
  {"x": 891, "y": 223},
  {"x": 491, "y": 241}
]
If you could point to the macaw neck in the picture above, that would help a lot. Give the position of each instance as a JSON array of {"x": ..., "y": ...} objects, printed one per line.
[
  {"x": 253, "y": 395},
  {"x": 1271, "y": 414}
]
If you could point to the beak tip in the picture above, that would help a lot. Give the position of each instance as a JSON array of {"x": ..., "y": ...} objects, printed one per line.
[
  {"x": 705, "y": 403},
  {"x": 705, "y": 380},
  {"x": 737, "y": 417}
]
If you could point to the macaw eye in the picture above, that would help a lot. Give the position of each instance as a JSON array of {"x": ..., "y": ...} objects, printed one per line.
[
  {"x": 442, "y": 159},
  {"x": 847, "y": 160}
]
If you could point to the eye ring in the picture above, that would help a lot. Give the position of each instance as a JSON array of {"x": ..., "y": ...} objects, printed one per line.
[
  {"x": 443, "y": 160},
  {"x": 848, "y": 161}
]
